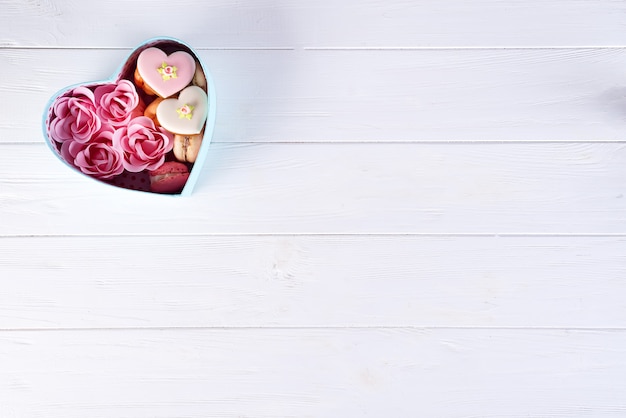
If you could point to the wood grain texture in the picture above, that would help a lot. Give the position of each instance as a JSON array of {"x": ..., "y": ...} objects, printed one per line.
[
  {"x": 312, "y": 281},
  {"x": 335, "y": 188},
  {"x": 365, "y": 96},
  {"x": 313, "y": 373},
  {"x": 283, "y": 23},
  {"x": 412, "y": 208}
]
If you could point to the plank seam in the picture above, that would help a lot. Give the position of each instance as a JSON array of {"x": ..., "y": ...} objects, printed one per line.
[
  {"x": 331, "y": 234},
  {"x": 393, "y": 142},
  {"x": 331, "y": 48},
  {"x": 347, "y": 327},
  {"x": 458, "y": 47},
  {"x": 125, "y": 48}
]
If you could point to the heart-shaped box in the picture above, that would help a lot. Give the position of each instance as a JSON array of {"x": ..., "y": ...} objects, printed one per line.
[{"x": 108, "y": 130}]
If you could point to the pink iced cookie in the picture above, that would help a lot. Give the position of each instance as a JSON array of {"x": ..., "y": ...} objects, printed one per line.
[
  {"x": 185, "y": 115},
  {"x": 165, "y": 74}
]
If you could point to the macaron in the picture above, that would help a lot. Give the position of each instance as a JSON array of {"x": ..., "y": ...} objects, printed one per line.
[
  {"x": 170, "y": 178},
  {"x": 150, "y": 111},
  {"x": 186, "y": 147},
  {"x": 199, "y": 79},
  {"x": 141, "y": 85}
]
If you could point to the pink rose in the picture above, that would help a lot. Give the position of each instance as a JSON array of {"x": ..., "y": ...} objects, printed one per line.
[
  {"x": 117, "y": 103},
  {"x": 98, "y": 157},
  {"x": 74, "y": 116},
  {"x": 143, "y": 145}
]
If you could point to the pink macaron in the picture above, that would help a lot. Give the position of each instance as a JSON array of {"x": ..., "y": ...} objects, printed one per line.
[{"x": 169, "y": 178}]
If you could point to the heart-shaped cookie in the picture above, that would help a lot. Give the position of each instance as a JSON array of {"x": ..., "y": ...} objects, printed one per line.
[
  {"x": 165, "y": 74},
  {"x": 107, "y": 130},
  {"x": 186, "y": 114}
]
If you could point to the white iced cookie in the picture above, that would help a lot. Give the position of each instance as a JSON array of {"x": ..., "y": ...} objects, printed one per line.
[{"x": 185, "y": 115}]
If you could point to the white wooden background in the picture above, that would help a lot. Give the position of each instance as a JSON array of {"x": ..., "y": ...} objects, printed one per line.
[{"x": 410, "y": 209}]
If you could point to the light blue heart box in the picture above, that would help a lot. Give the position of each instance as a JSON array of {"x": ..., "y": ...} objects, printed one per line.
[{"x": 140, "y": 181}]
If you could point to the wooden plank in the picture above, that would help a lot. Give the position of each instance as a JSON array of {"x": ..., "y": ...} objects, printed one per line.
[
  {"x": 312, "y": 281},
  {"x": 335, "y": 188},
  {"x": 283, "y": 23},
  {"x": 371, "y": 96},
  {"x": 312, "y": 373}
]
